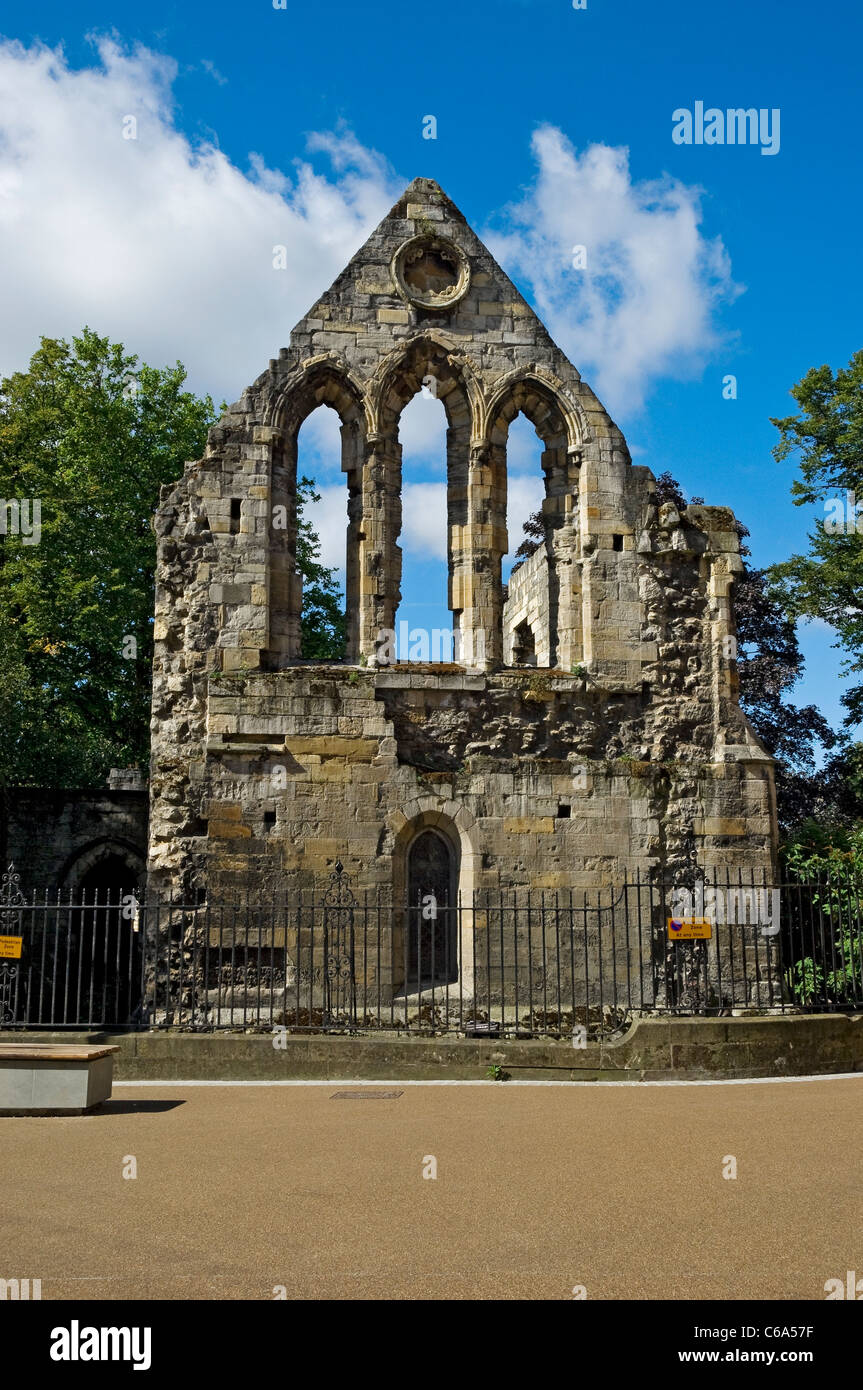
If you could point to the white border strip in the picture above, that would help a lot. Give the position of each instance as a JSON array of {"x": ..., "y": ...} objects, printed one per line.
[{"x": 377, "y": 1083}]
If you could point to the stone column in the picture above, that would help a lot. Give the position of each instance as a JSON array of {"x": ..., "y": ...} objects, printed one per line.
[
  {"x": 476, "y": 549},
  {"x": 561, "y": 509},
  {"x": 353, "y": 582},
  {"x": 352, "y": 467},
  {"x": 285, "y": 584},
  {"x": 380, "y": 556}
]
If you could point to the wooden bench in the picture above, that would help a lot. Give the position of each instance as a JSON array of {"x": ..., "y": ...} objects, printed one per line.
[{"x": 53, "y": 1078}]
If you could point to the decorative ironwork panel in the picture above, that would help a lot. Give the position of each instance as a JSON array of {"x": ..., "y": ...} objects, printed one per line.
[
  {"x": 340, "y": 993},
  {"x": 12, "y": 904}
]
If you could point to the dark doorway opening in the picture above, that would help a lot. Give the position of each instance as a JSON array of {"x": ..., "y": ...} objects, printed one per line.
[
  {"x": 432, "y": 956},
  {"x": 105, "y": 946}
]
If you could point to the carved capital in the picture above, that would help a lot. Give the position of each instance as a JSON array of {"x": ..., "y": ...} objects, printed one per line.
[{"x": 480, "y": 450}]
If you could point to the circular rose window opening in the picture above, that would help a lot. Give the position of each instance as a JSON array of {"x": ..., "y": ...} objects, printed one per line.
[{"x": 431, "y": 271}]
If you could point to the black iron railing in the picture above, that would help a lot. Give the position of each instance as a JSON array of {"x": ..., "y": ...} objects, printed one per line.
[{"x": 515, "y": 964}]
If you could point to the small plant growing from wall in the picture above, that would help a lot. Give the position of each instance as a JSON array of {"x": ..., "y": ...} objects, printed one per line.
[{"x": 494, "y": 1072}]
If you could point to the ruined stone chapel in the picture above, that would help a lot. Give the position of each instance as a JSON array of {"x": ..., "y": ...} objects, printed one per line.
[{"x": 589, "y": 726}]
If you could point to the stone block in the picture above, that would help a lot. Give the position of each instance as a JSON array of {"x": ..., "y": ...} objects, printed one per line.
[
  {"x": 529, "y": 825},
  {"x": 724, "y": 825},
  {"x": 334, "y": 746},
  {"x": 228, "y": 830}
]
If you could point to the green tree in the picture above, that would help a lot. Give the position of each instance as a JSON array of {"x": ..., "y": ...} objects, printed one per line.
[
  {"x": 668, "y": 489},
  {"x": 323, "y": 620},
  {"x": 826, "y": 440},
  {"x": 841, "y": 783},
  {"x": 769, "y": 664},
  {"x": 827, "y": 862},
  {"x": 90, "y": 434},
  {"x": 534, "y": 534}
]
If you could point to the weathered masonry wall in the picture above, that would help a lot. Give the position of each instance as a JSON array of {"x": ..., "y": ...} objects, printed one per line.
[
  {"x": 55, "y": 838},
  {"x": 595, "y": 726},
  {"x": 541, "y": 779},
  {"x": 527, "y": 617}
]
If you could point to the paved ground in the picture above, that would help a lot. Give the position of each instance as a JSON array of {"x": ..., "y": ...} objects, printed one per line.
[{"x": 538, "y": 1189}]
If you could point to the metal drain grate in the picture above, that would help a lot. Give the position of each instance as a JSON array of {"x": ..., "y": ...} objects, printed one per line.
[{"x": 367, "y": 1095}]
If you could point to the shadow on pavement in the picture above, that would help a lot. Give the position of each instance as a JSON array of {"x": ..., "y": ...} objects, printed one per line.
[{"x": 135, "y": 1107}]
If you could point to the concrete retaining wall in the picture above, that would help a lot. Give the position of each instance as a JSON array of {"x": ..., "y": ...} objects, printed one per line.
[{"x": 653, "y": 1049}]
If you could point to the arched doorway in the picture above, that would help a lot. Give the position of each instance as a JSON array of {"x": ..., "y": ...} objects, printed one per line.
[
  {"x": 432, "y": 952},
  {"x": 101, "y": 979}
]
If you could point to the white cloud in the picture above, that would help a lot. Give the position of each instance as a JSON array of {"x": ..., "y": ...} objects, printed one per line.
[
  {"x": 165, "y": 246},
  {"x": 329, "y": 518},
  {"x": 525, "y": 492},
  {"x": 424, "y": 521},
  {"x": 319, "y": 445},
  {"x": 422, "y": 434},
  {"x": 210, "y": 67},
  {"x": 424, "y": 515},
  {"x": 644, "y": 305}
]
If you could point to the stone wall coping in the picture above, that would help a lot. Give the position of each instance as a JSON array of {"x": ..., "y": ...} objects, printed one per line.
[
  {"x": 422, "y": 676},
  {"x": 654, "y": 1048}
]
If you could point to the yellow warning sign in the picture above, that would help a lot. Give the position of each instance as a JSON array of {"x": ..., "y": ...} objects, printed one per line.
[
  {"x": 689, "y": 929},
  {"x": 10, "y": 947}
]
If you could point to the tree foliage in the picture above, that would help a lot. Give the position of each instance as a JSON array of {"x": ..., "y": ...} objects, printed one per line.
[
  {"x": 323, "y": 620},
  {"x": 827, "y": 861},
  {"x": 92, "y": 434},
  {"x": 668, "y": 489},
  {"x": 826, "y": 440},
  {"x": 534, "y": 534},
  {"x": 769, "y": 664}
]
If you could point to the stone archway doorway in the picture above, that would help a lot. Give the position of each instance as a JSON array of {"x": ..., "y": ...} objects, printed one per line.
[
  {"x": 432, "y": 912},
  {"x": 105, "y": 948}
]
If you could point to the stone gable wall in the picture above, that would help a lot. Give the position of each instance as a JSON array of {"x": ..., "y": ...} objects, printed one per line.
[{"x": 631, "y": 717}]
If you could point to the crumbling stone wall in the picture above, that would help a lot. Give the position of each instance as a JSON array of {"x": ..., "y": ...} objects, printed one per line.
[{"x": 622, "y": 748}]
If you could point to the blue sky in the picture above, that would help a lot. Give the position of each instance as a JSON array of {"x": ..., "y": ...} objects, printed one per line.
[{"x": 330, "y": 100}]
